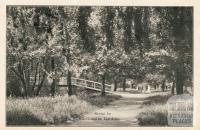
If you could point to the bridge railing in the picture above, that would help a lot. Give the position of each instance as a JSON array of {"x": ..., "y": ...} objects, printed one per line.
[
  {"x": 90, "y": 84},
  {"x": 85, "y": 83}
]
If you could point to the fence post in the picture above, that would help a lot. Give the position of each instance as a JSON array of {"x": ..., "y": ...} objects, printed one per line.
[{"x": 85, "y": 83}]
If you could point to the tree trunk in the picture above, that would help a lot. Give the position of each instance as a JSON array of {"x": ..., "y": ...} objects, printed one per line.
[
  {"x": 35, "y": 76},
  {"x": 115, "y": 85},
  {"x": 180, "y": 41},
  {"x": 132, "y": 86},
  {"x": 179, "y": 77},
  {"x": 103, "y": 85},
  {"x": 163, "y": 86},
  {"x": 53, "y": 85},
  {"x": 179, "y": 84},
  {"x": 146, "y": 28},
  {"x": 40, "y": 85},
  {"x": 138, "y": 29},
  {"x": 173, "y": 83},
  {"x": 173, "y": 87},
  {"x": 124, "y": 84},
  {"x": 28, "y": 75},
  {"x": 21, "y": 77},
  {"x": 25, "y": 94},
  {"x": 69, "y": 84},
  {"x": 179, "y": 80}
]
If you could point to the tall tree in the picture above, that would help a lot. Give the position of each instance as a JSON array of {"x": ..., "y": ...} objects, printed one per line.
[
  {"x": 68, "y": 22},
  {"x": 176, "y": 24},
  {"x": 25, "y": 47}
]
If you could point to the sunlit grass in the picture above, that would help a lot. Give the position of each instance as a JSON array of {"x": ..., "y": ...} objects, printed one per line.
[
  {"x": 153, "y": 115},
  {"x": 44, "y": 110},
  {"x": 154, "y": 111}
]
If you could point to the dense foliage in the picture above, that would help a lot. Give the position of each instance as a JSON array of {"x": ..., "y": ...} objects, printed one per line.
[{"x": 108, "y": 44}]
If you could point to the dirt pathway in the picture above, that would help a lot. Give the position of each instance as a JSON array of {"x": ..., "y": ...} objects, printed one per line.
[{"x": 120, "y": 113}]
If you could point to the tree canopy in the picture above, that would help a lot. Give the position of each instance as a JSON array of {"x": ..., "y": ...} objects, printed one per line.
[{"x": 111, "y": 43}]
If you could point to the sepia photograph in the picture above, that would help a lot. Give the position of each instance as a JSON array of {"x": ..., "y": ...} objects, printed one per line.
[{"x": 99, "y": 66}]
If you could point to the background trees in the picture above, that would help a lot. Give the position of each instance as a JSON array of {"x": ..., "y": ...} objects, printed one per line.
[{"x": 112, "y": 44}]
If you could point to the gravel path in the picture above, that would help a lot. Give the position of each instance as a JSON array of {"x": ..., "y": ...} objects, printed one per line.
[{"x": 120, "y": 113}]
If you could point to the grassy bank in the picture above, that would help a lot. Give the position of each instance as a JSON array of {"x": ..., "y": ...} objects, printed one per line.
[
  {"x": 45, "y": 110},
  {"x": 154, "y": 112},
  {"x": 48, "y": 110}
]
